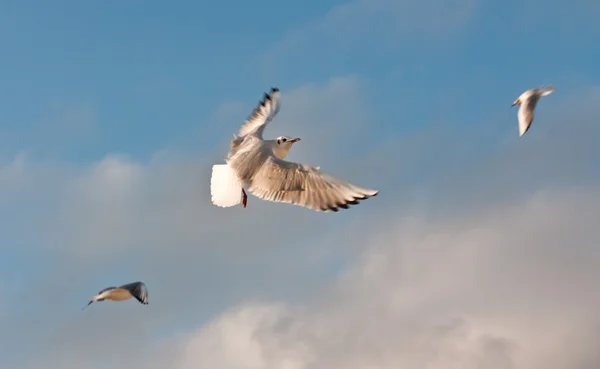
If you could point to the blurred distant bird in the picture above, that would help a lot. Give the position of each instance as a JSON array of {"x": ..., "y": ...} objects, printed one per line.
[
  {"x": 259, "y": 166},
  {"x": 125, "y": 292},
  {"x": 528, "y": 100}
]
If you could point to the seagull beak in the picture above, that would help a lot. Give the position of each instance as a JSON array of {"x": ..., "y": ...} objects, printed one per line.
[
  {"x": 88, "y": 304},
  {"x": 515, "y": 103},
  {"x": 295, "y": 140}
]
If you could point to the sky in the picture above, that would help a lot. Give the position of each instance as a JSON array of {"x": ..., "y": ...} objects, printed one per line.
[{"x": 481, "y": 249}]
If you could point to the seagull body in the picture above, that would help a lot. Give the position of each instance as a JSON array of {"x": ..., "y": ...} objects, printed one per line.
[
  {"x": 528, "y": 101},
  {"x": 258, "y": 165},
  {"x": 137, "y": 290}
]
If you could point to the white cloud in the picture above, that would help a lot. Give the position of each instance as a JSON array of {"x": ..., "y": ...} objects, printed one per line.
[{"x": 512, "y": 287}]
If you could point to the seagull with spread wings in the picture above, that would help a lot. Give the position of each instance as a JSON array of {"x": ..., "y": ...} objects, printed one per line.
[
  {"x": 528, "y": 101},
  {"x": 137, "y": 290},
  {"x": 258, "y": 165}
]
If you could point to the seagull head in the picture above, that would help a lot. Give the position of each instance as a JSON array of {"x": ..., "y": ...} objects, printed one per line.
[
  {"x": 283, "y": 144},
  {"x": 286, "y": 141},
  {"x": 92, "y": 299}
]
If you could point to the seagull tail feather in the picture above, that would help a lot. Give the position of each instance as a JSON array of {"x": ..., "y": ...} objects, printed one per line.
[{"x": 225, "y": 187}]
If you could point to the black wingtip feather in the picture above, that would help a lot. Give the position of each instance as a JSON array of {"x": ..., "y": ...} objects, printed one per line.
[{"x": 346, "y": 205}]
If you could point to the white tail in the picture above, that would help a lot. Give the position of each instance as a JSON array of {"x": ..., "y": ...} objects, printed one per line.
[{"x": 225, "y": 187}]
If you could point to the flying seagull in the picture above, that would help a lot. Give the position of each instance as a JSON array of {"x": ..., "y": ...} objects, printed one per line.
[
  {"x": 258, "y": 165},
  {"x": 528, "y": 100},
  {"x": 125, "y": 292}
]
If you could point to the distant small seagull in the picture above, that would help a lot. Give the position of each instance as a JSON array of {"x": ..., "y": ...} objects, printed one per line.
[
  {"x": 528, "y": 100},
  {"x": 259, "y": 166},
  {"x": 125, "y": 292}
]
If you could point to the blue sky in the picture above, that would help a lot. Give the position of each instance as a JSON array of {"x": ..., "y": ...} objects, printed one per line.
[
  {"x": 141, "y": 76},
  {"x": 113, "y": 113}
]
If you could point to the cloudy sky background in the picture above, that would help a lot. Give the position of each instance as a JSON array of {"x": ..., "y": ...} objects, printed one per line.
[{"x": 482, "y": 249}]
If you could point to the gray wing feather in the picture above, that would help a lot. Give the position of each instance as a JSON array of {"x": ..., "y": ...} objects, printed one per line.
[
  {"x": 137, "y": 290},
  {"x": 283, "y": 181},
  {"x": 546, "y": 90},
  {"x": 262, "y": 114}
]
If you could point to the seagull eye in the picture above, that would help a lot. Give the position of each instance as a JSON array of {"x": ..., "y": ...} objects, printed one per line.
[{"x": 285, "y": 139}]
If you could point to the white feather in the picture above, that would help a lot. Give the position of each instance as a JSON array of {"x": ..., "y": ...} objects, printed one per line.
[{"x": 225, "y": 187}]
